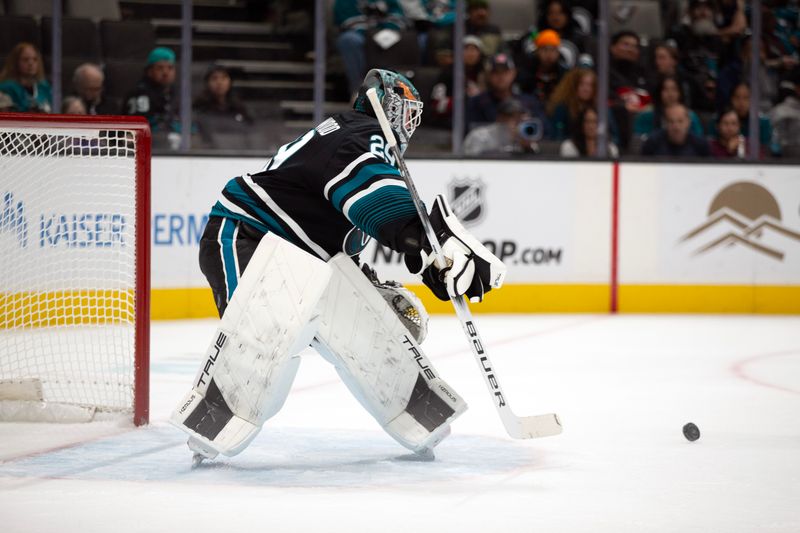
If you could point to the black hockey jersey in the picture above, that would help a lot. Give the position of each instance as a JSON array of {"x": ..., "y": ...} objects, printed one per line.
[{"x": 316, "y": 189}]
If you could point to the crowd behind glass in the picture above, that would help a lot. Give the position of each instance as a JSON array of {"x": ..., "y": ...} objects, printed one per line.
[{"x": 685, "y": 93}]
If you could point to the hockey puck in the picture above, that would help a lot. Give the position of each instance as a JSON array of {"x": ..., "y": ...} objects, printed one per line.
[{"x": 691, "y": 432}]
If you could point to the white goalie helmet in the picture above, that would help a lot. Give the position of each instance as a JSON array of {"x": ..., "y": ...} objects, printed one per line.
[{"x": 399, "y": 98}]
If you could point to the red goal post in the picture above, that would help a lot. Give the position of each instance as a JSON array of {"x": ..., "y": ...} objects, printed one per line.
[{"x": 74, "y": 265}]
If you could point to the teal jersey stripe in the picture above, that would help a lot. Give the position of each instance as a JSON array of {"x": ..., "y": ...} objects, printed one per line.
[
  {"x": 220, "y": 210},
  {"x": 381, "y": 207},
  {"x": 364, "y": 175},
  {"x": 395, "y": 213},
  {"x": 242, "y": 198},
  {"x": 226, "y": 241}
]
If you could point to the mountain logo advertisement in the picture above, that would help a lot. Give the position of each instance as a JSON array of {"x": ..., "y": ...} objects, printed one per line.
[{"x": 744, "y": 214}]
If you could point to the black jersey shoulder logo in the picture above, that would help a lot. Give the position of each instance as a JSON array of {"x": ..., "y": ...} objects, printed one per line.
[{"x": 355, "y": 241}]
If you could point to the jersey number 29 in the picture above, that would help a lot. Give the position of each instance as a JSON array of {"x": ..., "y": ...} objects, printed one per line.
[{"x": 380, "y": 148}]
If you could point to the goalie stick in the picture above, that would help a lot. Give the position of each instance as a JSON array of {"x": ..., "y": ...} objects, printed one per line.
[{"x": 517, "y": 427}]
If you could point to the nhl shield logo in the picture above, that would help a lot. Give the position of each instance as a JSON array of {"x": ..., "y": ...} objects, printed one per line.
[{"x": 466, "y": 200}]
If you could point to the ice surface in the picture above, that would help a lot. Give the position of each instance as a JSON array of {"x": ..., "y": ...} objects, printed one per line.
[{"x": 622, "y": 385}]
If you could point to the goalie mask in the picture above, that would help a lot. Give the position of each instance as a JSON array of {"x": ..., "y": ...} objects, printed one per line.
[{"x": 399, "y": 99}]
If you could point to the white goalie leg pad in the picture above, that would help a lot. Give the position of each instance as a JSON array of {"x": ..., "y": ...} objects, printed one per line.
[
  {"x": 380, "y": 361},
  {"x": 249, "y": 367}
]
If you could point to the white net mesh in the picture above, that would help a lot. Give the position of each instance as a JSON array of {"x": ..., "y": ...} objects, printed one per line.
[{"x": 68, "y": 262}]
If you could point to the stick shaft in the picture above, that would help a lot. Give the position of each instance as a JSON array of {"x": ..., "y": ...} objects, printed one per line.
[{"x": 514, "y": 425}]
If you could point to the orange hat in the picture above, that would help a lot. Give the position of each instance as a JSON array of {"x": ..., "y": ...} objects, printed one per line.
[{"x": 547, "y": 38}]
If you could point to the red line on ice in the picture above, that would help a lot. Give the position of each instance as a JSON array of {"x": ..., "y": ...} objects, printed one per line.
[
  {"x": 66, "y": 446},
  {"x": 739, "y": 371}
]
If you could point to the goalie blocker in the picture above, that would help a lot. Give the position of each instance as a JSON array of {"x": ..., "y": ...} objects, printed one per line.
[
  {"x": 471, "y": 269},
  {"x": 285, "y": 300}
]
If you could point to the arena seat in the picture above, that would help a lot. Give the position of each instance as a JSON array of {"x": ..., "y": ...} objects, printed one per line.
[
  {"x": 512, "y": 16},
  {"x": 17, "y": 29},
  {"x": 641, "y": 16},
  {"x": 106, "y": 10},
  {"x": 35, "y": 8},
  {"x": 79, "y": 38},
  {"x": 404, "y": 52},
  {"x": 127, "y": 39}
]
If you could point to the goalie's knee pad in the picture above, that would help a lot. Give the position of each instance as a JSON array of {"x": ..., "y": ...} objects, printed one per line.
[
  {"x": 249, "y": 367},
  {"x": 380, "y": 361}
]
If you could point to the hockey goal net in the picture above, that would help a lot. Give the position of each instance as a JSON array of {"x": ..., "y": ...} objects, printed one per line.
[{"x": 74, "y": 267}]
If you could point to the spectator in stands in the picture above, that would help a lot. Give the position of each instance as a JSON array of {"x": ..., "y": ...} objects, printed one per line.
[
  {"x": 218, "y": 98},
  {"x": 22, "y": 78},
  {"x": 583, "y": 139},
  {"x": 155, "y": 96},
  {"x": 667, "y": 63},
  {"x": 482, "y": 109},
  {"x": 556, "y": 15},
  {"x": 6, "y": 104},
  {"x": 477, "y": 23},
  {"x": 780, "y": 55},
  {"x": 72, "y": 105},
  {"x": 729, "y": 142},
  {"x": 700, "y": 42},
  {"x": 576, "y": 92},
  {"x": 627, "y": 79},
  {"x": 354, "y": 19},
  {"x": 87, "y": 82},
  {"x": 627, "y": 82},
  {"x": 785, "y": 119},
  {"x": 435, "y": 15},
  {"x": 434, "y": 12},
  {"x": 440, "y": 41},
  {"x": 675, "y": 140},
  {"x": 672, "y": 13},
  {"x": 738, "y": 70},
  {"x": 540, "y": 73},
  {"x": 667, "y": 92},
  {"x": 787, "y": 13},
  {"x": 505, "y": 135},
  {"x": 474, "y": 79},
  {"x": 665, "y": 60},
  {"x": 740, "y": 103},
  {"x": 730, "y": 21},
  {"x": 588, "y": 7}
]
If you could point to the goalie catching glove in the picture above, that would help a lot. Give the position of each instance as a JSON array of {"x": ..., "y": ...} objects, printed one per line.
[{"x": 471, "y": 270}]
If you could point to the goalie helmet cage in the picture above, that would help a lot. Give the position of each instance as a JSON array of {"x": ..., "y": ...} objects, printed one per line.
[{"x": 75, "y": 259}]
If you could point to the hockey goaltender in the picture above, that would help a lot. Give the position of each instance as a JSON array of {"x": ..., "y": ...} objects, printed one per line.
[{"x": 280, "y": 252}]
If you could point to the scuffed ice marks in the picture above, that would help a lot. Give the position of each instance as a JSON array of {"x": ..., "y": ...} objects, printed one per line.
[{"x": 280, "y": 457}]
